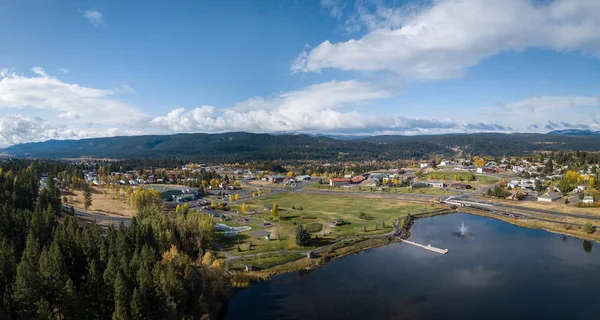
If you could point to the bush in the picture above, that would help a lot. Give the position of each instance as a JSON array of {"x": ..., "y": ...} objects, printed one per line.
[{"x": 588, "y": 228}]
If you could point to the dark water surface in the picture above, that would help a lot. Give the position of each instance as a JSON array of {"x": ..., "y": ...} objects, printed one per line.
[{"x": 501, "y": 272}]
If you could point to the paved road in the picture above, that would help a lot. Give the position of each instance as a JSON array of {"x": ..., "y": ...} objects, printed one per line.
[{"x": 502, "y": 206}]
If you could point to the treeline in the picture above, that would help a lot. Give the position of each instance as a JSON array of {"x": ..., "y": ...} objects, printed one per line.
[
  {"x": 168, "y": 150},
  {"x": 52, "y": 267}
]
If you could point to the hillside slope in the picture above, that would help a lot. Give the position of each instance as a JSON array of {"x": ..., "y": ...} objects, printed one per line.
[{"x": 242, "y": 146}]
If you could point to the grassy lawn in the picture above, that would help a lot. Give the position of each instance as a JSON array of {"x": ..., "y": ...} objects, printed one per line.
[
  {"x": 265, "y": 261},
  {"x": 449, "y": 177},
  {"x": 317, "y": 214},
  {"x": 379, "y": 190}
]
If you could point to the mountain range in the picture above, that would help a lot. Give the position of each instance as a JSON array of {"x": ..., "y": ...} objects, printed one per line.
[{"x": 243, "y": 146}]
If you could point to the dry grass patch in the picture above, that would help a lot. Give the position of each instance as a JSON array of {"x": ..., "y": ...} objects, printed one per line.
[{"x": 102, "y": 204}]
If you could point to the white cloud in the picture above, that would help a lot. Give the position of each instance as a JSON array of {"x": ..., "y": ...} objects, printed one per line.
[
  {"x": 326, "y": 107},
  {"x": 39, "y": 71},
  {"x": 127, "y": 88},
  {"x": 344, "y": 107},
  {"x": 68, "y": 101},
  {"x": 17, "y": 128},
  {"x": 442, "y": 40},
  {"x": 550, "y": 104},
  {"x": 94, "y": 16},
  {"x": 335, "y": 7},
  {"x": 64, "y": 70}
]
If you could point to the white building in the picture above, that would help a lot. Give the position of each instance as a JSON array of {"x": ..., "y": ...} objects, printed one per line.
[
  {"x": 588, "y": 200},
  {"x": 549, "y": 197}
]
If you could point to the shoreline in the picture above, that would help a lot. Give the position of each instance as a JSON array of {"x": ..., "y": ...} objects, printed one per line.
[
  {"x": 322, "y": 256},
  {"x": 366, "y": 243},
  {"x": 522, "y": 223}
]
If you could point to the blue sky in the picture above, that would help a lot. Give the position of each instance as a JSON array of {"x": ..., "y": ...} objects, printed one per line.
[{"x": 75, "y": 69}]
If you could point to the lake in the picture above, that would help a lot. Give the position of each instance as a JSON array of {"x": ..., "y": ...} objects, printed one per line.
[{"x": 499, "y": 271}]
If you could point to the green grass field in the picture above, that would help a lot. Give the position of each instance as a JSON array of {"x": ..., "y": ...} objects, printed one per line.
[
  {"x": 449, "y": 177},
  {"x": 265, "y": 261},
  {"x": 317, "y": 209}
]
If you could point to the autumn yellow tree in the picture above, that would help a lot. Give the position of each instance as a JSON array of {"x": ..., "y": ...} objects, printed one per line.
[
  {"x": 502, "y": 183},
  {"x": 275, "y": 211},
  {"x": 208, "y": 259},
  {"x": 213, "y": 203},
  {"x": 231, "y": 198},
  {"x": 218, "y": 264},
  {"x": 237, "y": 197},
  {"x": 170, "y": 254},
  {"x": 253, "y": 195},
  {"x": 244, "y": 208}
]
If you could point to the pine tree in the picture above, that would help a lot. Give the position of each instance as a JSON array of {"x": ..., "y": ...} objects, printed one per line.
[
  {"x": 302, "y": 236},
  {"x": 87, "y": 197},
  {"x": 52, "y": 275},
  {"x": 120, "y": 299},
  {"x": 136, "y": 305},
  {"x": 27, "y": 285},
  {"x": 43, "y": 310},
  {"x": 8, "y": 268}
]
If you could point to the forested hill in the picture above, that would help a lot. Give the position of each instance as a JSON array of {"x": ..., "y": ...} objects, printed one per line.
[{"x": 241, "y": 146}]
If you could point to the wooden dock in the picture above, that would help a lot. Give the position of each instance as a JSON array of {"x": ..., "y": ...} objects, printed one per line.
[{"x": 427, "y": 247}]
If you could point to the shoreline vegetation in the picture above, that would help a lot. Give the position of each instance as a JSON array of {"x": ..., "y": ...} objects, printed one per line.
[
  {"x": 359, "y": 244},
  {"x": 322, "y": 255}
]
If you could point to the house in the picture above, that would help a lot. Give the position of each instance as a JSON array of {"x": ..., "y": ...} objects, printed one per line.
[
  {"x": 184, "y": 197},
  {"x": 513, "y": 184},
  {"x": 424, "y": 165},
  {"x": 588, "y": 200},
  {"x": 582, "y": 187},
  {"x": 357, "y": 179},
  {"x": 302, "y": 178},
  {"x": 339, "y": 181},
  {"x": 486, "y": 170},
  {"x": 347, "y": 176},
  {"x": 276, "y": 178},
  {"x": 370, "y": 182},
  {"x": 549, "y": 197},
  {"x": 419, "y": 185},
  {"x": 436, "y": 184}
]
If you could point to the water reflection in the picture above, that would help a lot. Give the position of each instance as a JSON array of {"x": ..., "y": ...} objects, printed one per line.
[
  {"x": 587, "y": 246},
  {"x": 506, "y": 272}
]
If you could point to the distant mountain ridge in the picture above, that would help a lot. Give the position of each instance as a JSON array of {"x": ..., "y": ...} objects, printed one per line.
[
  {"x": 244, "y": 147},
  {"x": 575, "y": 132}
]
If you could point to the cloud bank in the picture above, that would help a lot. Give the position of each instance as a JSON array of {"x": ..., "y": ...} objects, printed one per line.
[{"x": 440, "y": 41}]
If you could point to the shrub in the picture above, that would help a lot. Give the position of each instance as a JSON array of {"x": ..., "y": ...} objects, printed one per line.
[{"x": 588, "y": 228}]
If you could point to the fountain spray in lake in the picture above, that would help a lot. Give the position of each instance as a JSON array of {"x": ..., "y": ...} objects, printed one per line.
[
  {"x": 463, "y": 228},
  {"x": 463, "y": 232}
]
